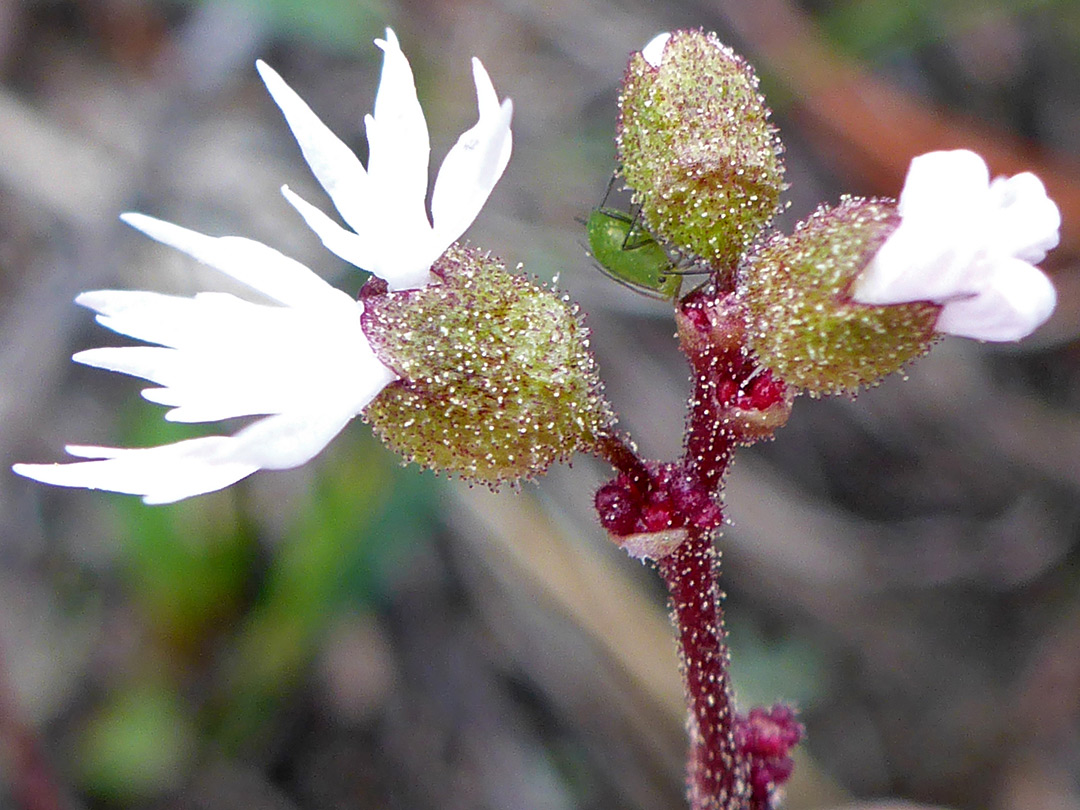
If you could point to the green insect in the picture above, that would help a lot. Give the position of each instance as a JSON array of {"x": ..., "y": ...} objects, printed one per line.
[{"x": 630, "y": 255}]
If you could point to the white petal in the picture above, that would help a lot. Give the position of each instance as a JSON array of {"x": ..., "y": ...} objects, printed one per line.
[
  {"x": 153, "y": 317},
  {"x": 252, "y": 263},
  {"x": 920, "y": 261},
  {"x": 160, "y": 474},
  {"x": 306, "y": 367},
  {"x": 473, "y": 166},
  {"x": 936, "y": 181},
  {"x": 236, "y": 358},
  {"x": 1018, "y": 298},
  {"x": 149, "y": 362},
  {"x": 968, "y": 245},
  {"x": 333, "y": 163},
  {"x": 288, "y": 440},
  {"x": 351, "y": 247},
  {"x": 1026, "y": 222},
  {"x": 399, "y": 256},
  {"x": 398, "y": 146},
  {"x": 172, "y": 472},
  {"x": 654, "y": 51}
]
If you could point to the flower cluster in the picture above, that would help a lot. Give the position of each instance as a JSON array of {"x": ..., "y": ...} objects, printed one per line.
[{"x": 467, "y": 369}]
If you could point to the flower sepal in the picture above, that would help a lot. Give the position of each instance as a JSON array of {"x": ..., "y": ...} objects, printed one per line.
[{"x": 497, "y": 381}]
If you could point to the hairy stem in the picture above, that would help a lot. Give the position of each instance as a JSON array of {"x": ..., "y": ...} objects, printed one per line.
[
  {"x": 620, "y": 455},
  {"x": 715, "y": 774}
]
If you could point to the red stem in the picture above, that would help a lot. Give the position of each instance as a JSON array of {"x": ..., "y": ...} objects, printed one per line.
[
  {"x": 715, "y": 775},
  {"x": 708, "y": 443}
]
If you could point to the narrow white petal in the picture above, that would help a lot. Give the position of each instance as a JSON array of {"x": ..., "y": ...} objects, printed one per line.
[
  {"x": 172, "y": 472},
  {"x": 397, "y": 154},
  {"x": 654, "y": 51},
  {"x": 412, "y": 269},
  {"x": 302, "y": 364},
  {"x": 399, "y": 254},
  {"x": 252, "y": 263},
  {"x": 351, "y": 247},
  {"x": 487, "y": 100},
  {"x": 148, "y": 362},
  {"x": 287, "y": 440},
  {"x": 91, "y": 451},
  {"x": 154, "y": 317},
  {"x": 398, "y": 145},
  {"x": 237, "y": 358},
  {"x": 1026, "y": 222},
  {"x": 160, "y": 474},
  {"x": 1017, "y": 299},
  {"x": 333, "y": 163},
  {"x": 469, "y": 172}
]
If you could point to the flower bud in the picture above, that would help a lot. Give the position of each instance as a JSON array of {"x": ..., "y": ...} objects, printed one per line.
[
  {"x": 695, "y": 145},
  {"x": 497, "y": 380},
  {"x": 803, "y": 322}
]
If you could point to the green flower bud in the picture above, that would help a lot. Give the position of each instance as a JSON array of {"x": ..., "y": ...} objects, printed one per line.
[
  {"x": 497, "y": 380},
  {"x": 696, "y": 146},
  {"x": 803, "y": 322}
]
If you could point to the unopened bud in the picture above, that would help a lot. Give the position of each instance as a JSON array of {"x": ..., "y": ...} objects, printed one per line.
[{"x": 696, "y": 146}]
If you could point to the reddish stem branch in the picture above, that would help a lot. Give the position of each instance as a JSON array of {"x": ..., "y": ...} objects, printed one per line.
[
  {"x": 735, "y": 763},
  {"x": 620, "y": 455}
]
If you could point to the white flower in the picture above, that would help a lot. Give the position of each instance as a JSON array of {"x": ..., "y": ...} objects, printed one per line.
[
  {"x": 384, "y": 204},
  {"x": 970, "y": 245},
  {"x": 302, "y": 363}
]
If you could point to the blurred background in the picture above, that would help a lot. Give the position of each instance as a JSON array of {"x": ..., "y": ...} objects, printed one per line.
[{"x": 903, "y": 566}]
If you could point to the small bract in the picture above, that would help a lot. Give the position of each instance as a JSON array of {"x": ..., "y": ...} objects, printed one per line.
[{"x": 628, "y": 253}]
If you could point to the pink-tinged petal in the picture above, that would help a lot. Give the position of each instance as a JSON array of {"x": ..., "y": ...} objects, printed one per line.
[
  {"x": 473, "y": 166},
  {"x": 1017, "y": 299},
  {"x": 968, "y": 245},
  {"x": 920, "y": 262},
  {"x": 1025, "y": 222},
  {"x": 252, "y": 263},
  {"x": 333, "y": 163}
]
